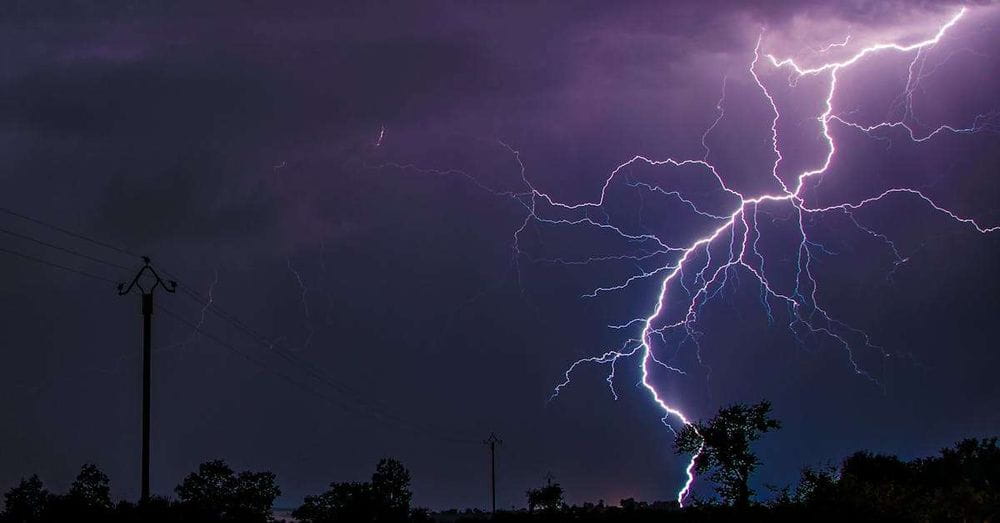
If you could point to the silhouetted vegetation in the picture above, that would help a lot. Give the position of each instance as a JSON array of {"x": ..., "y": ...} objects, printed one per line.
[
  {"x": 216, "y": 493},
  {"x": 27, "y": 501},
  {"x": 963, "y": 483},
  {"x": 549, "y": 498},
  {"x": 213, "y": 493},
  {"x": 960, "y": 484},
  {"x": 385, "y": 499},
  {"x": 722, "y": 446}
]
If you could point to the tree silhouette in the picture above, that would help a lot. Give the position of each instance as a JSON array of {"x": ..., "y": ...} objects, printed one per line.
[
  {"x": 723, "y": 445},
  {"x": 817, "y": 488},
  {"x": 342, "y": 502},
  {"x": 549, "y": 497},
  {"x": 964, "y": 483},
  {"x": 28, "y": 501},
  {"x": 959, "y": 485},
  {"x": 91, "y": 491},
  {"x": 391, "y": 487},
  {"x": 216, "y": 493},
  {"x": 386, "y": 499},
  {"x": 253, "y": 496},
  {"x": 89, "y": 498}
]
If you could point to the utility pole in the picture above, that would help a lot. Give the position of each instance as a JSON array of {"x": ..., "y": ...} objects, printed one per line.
[
  {"x": 146, "y": 290},
  {"x": 493, "y": 441}
]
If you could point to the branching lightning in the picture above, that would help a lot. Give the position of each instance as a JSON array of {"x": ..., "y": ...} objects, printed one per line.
[
  {"x": 702, "y": 267},
  {"x": 740, "y": 229}
]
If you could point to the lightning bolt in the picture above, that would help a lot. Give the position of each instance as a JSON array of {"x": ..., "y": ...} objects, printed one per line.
[
  {"x": 204, "y": 309},
  {"x": 182, "y": 346},
  {"x": 828, "y": 47},
  {"x": 303, "y": 299},
  {"x": 740, "y": 228},
  {"x": 702, "y": 267}
]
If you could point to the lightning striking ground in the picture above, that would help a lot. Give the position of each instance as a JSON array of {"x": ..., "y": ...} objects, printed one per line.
[
  {"x": 695, "y": 268},
  {"x": 740, "y": 227}
]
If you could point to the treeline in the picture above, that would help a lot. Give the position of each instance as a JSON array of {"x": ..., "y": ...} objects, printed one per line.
[
  {"x": 961, "y": 484},
  {"x": 213, "y": 493},
  {"x": 216, "y": 493}
]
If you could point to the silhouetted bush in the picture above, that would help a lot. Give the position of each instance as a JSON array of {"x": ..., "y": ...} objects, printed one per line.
[
  {"x": 961, "y": 484},
  {"x": 549, "y": 498},
  {"x": 28, "y": 501},
  {"x": 88, "y": 499},
  {"x": 216, "y": 493},
  {"x": 385, "y": 499}
]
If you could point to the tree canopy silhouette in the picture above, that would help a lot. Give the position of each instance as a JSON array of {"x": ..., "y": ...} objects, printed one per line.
[
  {"x": 27, "y": 501},
  {"x": 723, "y": 444},
  {"x": 91, "y": 489},
  {"x": 385, "y": 499},
  {"x": 960, "y": 484},
  {"x": 216, "y": 493},
  {"x": 391, "y": 487},
  {"x": 548, "y": 498}
]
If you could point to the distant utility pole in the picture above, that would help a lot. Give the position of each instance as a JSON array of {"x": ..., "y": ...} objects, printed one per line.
[
  {"x": 146, "y": 289},
  {"x": 493, "y": 441}
]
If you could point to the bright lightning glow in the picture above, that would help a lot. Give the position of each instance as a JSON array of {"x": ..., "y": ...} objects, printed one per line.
[
  {"x": 740, "y": 226},
  {"x": 736, "y": 229},
  {"x": 826, "y": 48}
]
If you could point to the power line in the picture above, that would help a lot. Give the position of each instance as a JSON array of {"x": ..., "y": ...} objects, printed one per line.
[
  {"x": 56, "y": 265},
  {"x": 68, "y": 232},
  {"x": 314, "y": 371},
  {"x": 247, "y": 356},
  {"x": 263, "y": 364},
  {"x": 266, "y": 342},
  {"x": 63, "y": 249},
  {"x": 290, "y": 357}
]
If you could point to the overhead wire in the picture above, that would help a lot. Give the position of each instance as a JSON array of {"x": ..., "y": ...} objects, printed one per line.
[
  {"x": 68, "y": 232},
  {"x": 55, "y": 265},
  {"x": 63, "y": 249},
  {"x": 314, "y": 371},
  {"x": 371, "y": 408}
]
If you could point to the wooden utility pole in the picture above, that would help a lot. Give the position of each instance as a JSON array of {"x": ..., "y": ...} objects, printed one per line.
[
  {"x": 152, "y": 282},
  {"x": 493, "y": 441}
]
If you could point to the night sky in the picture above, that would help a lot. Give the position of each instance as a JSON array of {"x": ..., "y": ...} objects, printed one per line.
[{"x": 341, "y": 177}]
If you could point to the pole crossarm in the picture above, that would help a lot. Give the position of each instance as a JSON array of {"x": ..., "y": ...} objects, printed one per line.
[{"x": 168, "y": 285}]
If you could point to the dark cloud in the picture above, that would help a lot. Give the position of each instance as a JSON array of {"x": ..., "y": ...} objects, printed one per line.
[{"x": 236, "y": 143}]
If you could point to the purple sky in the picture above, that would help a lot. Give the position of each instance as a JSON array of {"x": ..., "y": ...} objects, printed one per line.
[{"x": 236, "y": 145}]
